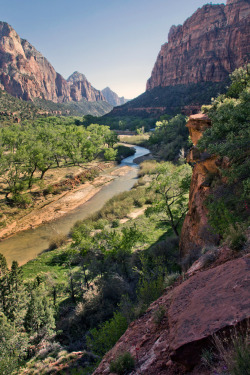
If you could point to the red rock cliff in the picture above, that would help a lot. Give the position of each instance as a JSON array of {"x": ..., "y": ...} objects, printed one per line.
[
  {"x": 212, "y": 43},
  {"x": 196, "y": 232},
  {"x": 25, "y": 73}
]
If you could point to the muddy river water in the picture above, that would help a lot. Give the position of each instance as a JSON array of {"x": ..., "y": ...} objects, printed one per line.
[{"x": 28, "y": 244}]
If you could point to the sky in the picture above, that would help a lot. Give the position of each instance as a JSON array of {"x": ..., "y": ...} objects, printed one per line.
[{"x": 113, "y": 43}]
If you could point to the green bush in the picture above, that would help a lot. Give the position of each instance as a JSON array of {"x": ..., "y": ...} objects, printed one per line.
[
  {"x": 233, "y": 352},
  {"x": 103, "y": 338},
  {"x": 110, "y": 154},
  {"x": 123, "y": 364},
  {"x": 159, "y": 315},
  {"x": 236, "y": 237},
  {"x": 22, "y": 200},
  {"x": 57, "y": 241}
]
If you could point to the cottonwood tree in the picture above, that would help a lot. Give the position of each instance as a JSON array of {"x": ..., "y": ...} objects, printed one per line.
[{"x": 171, "y": 185}]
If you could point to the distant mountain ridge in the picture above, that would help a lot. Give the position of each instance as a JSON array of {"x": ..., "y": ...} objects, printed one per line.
[
  {"x": 195, "y": 63},
  {"x": 112, "y": 98},
  {"x": 26, "y": 74}
]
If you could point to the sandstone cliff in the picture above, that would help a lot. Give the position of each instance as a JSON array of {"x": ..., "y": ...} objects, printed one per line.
[
  {"x": 25, "y": 73},
  {"x": 194, "y": 65},
  {"x": 80, "y": 88},
  {"x": 196, "y": 232},
  {"x": 112, "y": 98},
  {"x": 210, "y": 44}
]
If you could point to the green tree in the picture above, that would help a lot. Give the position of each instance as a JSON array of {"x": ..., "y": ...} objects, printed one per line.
[
  {"x": 39, "y": 316},
  {"x": 171, "y": 185}
]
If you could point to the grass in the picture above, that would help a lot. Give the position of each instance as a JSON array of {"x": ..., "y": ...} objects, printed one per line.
[
  {"x": 139, "y": 139},
  {"x": 52, "y": 263}
]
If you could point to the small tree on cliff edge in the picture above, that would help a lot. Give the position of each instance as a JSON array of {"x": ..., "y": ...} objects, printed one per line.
[{"x": 171, "y": 185}]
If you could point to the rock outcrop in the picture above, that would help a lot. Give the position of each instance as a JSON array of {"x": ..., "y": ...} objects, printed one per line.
[
  {"x": 80, "y": 88},
  {"x": 112, "y": 98},
  {"x": 25, "y": 73},
  {"x": 196, "y": 231},
  {"x": 209, "y": 302},
  {"x": 210, "y": 44}
]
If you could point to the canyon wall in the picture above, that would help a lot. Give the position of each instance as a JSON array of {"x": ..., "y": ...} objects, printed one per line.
[
  {"x": 210, "y": 44},
  {"x": 25, "y": 73}
]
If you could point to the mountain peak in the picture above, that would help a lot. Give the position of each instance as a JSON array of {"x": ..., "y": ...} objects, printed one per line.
[
  {"x": 112, "y": 97},
  {"x": 76, "y": 77}
]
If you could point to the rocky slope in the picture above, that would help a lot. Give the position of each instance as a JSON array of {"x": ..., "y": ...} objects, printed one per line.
[
  {"x": 25, "y": 73},
  {"x": 112, "y": 98},
  {"x": 212, "y": 43},
  {"x": 193, "y": 313}
]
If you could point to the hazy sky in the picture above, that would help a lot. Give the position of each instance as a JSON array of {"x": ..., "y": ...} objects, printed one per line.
[{"x": 113, "y": 42}]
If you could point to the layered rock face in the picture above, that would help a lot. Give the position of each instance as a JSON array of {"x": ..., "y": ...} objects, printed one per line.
[
  {"x": 212, "y": 43},
  {"x": 25, "y": 73},
  {"x": 212, "y": 301},
  {"x": 196, "y": 232},
  {"x": 112, "y": 98},
  {"x": 80, "y": 88}
]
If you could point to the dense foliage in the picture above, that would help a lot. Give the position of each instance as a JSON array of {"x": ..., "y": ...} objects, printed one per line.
[
  {"x": 228, "y": 138},
  {"x": 171, "y": 185},
  {"x": 108, "y": 276},
  {"x": 33, "y": 148},
  {"x": 170, "y": 138}
]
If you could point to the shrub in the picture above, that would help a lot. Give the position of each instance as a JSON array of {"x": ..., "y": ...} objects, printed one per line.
[
  {"x": 115, "y": 223},
  {"x": 147, "y": 167},
  {"x": 103, "y": 338},
  {"x": 57, "y": 241},
  {"x": 159, "y": 315},
  {"x": 236, "y": 237},
  {"x": 22, "y": 200},
  {"x": 233, "y": 351},
  {"x": 110, "y": 154},
  {"x": 171, "y": 279},
  {"x": 48, "y": 190},
  {"x": 123, "y": 364}
]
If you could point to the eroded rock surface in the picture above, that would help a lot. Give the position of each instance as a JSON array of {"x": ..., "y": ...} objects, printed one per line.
[
  {"x": 196, "y": 232},
  {"x": 205, "y": 304}
]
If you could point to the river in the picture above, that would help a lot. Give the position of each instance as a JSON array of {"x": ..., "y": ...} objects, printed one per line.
[{"x": 28, "y": 244}]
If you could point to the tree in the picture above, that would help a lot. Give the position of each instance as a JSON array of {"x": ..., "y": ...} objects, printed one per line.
[
  {"x": 39, "y": 315},
  {"x": 3, "y": 265},
  {"x": 171, "y": 185}
]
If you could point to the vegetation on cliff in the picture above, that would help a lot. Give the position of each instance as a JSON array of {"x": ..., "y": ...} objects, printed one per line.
[{"x": 228, "y": 138}]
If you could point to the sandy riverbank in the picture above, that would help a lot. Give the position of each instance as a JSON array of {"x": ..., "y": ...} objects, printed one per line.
[{"x": 61, "y": 204}]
